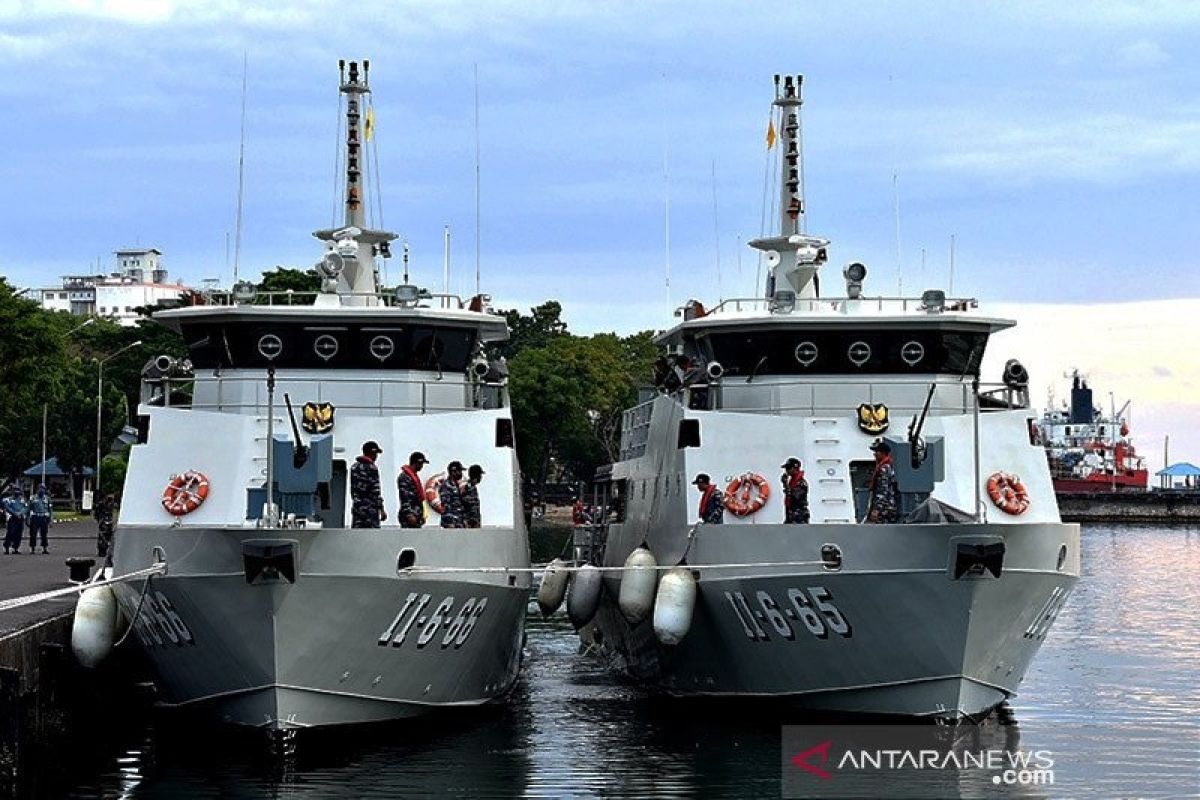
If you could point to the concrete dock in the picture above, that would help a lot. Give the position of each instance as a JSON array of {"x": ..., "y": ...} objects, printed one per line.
[
  {"x": 1160, "y": 506},
  {"x": 28, "y": 633}
]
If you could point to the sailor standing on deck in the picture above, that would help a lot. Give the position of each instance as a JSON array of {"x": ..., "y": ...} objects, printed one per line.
[
  {"x": 795, "y": 493},
  {"x": 885, "y": 494},
  {"x": 412, "y": 492},
  {"x": 470, "y": 497},
  {"x": 450, "y": 493},
  {"x": 366, "y": 494},
  {"x": 712, "y": 501}
]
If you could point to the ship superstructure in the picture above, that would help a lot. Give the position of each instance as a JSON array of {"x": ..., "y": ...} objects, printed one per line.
[
  {"x": 1090, "y": 450},
  {"x": 274, "y": 611},
  {"x": 938, "y": 613}
]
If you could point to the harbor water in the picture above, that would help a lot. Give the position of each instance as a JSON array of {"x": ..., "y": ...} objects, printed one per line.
[{"x": 1112, "y": 696}]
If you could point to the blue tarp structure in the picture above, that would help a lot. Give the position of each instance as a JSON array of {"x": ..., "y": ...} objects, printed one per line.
[
  {"x": 55, "y": 471},
  {"x": 1182, "y": 475},
  {"x": 1183, "y": 469}
]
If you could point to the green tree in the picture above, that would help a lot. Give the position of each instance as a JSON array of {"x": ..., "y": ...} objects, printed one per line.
[
  {"x": 112, "y": 473},
  {"x": 543, "y": 324},
  {"x": 568, "y": 397},
  {"x": 32, "y": 366},
  {"x": 304, "y": 282}
]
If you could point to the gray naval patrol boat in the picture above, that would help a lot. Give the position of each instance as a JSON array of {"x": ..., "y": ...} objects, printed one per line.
[
  {"x": 938, "y": 614},
  {"x": 273, "y": 612}
]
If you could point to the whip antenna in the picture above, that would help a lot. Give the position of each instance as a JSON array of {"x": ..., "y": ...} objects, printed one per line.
[
  {"x": 237, "y": 242},
  {"x": 477, "y": 222}
]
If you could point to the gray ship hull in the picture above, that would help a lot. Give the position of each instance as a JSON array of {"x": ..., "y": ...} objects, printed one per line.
[
  {"x": 347, "y": 638},
  {"x": 894, "y": 630}
]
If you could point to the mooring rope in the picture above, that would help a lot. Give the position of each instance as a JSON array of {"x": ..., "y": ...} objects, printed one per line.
[
  {"x": 576, "y": 568},
  {"x": 29, "y": 599}
]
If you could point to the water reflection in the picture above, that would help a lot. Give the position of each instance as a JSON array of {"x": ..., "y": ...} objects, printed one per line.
[{"x": 1112, "y": 695}]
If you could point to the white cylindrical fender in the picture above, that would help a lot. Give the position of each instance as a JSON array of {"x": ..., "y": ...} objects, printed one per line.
[
  {"x": 637, "y": 585},
  {"x": 94, "y": 626},
  {"x": 554, "y": 586},
  {"x": 584, "y": 597},
  {"x": 674, "y": 606}
]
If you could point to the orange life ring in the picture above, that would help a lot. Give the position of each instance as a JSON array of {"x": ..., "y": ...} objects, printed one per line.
[
  {"x": 746, "y": 494},
  {"x": 1008, "y": 493},
  {"x": 185, "y": 493},
  {"x": 432, "y": 497}
]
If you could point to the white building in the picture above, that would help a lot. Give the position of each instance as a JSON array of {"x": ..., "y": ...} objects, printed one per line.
[{"x": 140, "y": 280}]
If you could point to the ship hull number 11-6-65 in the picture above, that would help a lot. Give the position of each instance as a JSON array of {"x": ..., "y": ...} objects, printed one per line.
[
  {"x": 810, "y": 610},
  {"x": 425, "y": 627}
]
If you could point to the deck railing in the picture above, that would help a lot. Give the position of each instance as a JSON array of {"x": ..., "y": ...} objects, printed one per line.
[
  {"x": 366, "y": 394},
  {"x": 837, "y": 305},
  {"x": 294, "y": 298}
]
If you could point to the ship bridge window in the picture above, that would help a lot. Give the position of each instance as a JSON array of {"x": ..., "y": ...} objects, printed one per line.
[
  {"x": 250, "y": 345},
  {"x": 808, "y": 352}
]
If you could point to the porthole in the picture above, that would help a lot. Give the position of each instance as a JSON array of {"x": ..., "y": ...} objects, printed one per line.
[
  {"x": 382, "y": 347},
  {"x": 270, "y": 347},
  {"x": 325, "y": 346},
  {"x": 912, "y": 353},
  {"x": 859, "y": 353},
  {"x": 1062, "y": 557},
  {"x": 806, "y": 353}
]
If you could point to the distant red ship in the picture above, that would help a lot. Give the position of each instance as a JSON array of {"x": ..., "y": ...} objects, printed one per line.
[{"x": 1088, "y": 451}]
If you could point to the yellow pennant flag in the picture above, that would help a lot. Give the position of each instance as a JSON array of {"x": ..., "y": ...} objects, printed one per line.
[
  {"x": 370, "y": 130},
  {"x": 771, "y": 135}
]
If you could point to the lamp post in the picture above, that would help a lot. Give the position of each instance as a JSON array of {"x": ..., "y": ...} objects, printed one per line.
[
  {"x": 46, "y": 406},
  {"x": 99, "y": 403}
]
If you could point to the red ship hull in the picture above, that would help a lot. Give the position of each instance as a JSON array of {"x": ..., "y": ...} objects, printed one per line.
[{"x": 1137, "y": 480}]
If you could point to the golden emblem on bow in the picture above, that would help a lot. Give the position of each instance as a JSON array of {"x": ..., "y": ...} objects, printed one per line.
[
  {"x": 318, "y": 417},
  {"x": 873, "y": 419}
]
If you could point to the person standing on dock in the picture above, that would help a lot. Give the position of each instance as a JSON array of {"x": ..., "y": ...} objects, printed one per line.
[
  {"x": 103, "y": 512},
  {"x": 412, "y": 492},
  {"x": 450, "y": 495},
  {"x": 712, "y": 501},
  {"x": 795, "y": 493},
  {"x": 15, "y": 508},
  {"x": 885, "y": 494},
  {"x": 366, "y": 494},
  {"x": 470, "y": 497},
  {"x": 41, "y": 512}
]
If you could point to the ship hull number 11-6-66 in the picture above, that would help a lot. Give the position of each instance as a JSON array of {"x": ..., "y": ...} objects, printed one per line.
[
  {"x": 426, "y": 626},
  {"x": 810, "y": 610}
]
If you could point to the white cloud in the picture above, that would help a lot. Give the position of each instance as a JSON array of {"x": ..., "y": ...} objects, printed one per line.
[
  {"x": 1143, "y": 53},
  {"x": 1119, "y": 15},
  {"x": 130, "y": 11},
  {"x": 19, "y": 47},
  {"x": 1095, "y": 147}
]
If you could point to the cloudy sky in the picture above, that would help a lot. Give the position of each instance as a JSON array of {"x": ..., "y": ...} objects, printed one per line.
[{"x": 1058, "y": 143}]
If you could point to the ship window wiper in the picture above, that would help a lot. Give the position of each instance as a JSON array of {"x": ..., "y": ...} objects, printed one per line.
[{"x": 754, "y": 372}]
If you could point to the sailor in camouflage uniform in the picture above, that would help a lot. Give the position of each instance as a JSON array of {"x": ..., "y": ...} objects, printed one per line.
[
  {"x": 470, "y": 497},
  {"x": 885, "y": 494},
  {"x": 412, "y": 492},
  {"x": 450, "y": 494},
  {"x": 795, "y": 493},
  {"x": 712, "y": 501},
  {"x": 366, "y": 494}
]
